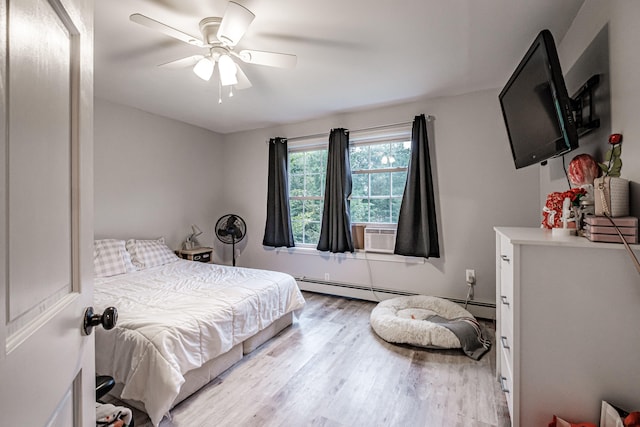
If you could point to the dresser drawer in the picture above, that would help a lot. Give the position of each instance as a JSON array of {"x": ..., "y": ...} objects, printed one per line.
[
  {"x": 506, "y": 311},
  {"x": 505, "y": 341},
  {"x": 506, "y": 269},
  {"x": 506, "y": 380}
]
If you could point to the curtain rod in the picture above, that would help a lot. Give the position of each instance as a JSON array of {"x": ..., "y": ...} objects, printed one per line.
[{"x": 326, "y": 134}]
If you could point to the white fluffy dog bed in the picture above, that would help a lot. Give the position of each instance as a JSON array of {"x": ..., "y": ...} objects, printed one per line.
[{"x": 401, "y": 320}]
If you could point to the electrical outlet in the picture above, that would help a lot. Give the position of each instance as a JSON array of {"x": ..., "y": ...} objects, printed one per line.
[
  {"x": 471, "y": 276},
  {"x": 326, "y": 277}
]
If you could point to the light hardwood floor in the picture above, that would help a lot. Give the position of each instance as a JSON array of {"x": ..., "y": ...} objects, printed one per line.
[{"x": 330, "y": 369}]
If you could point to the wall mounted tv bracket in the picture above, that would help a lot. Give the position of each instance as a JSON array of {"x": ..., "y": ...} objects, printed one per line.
[{"x": 583, "y": 108}]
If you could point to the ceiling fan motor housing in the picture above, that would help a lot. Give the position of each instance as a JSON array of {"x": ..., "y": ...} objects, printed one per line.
[{"x": 209, "y": 29}]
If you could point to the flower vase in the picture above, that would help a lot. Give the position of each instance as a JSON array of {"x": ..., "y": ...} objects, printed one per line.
[{"x": 611, "y": 196}]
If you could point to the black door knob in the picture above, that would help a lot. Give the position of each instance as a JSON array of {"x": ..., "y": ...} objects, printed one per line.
[{"x": 108, "y": 319}]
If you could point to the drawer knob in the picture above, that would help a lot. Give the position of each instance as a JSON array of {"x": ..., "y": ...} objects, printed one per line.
[
  {"x": 505, "y": 258},
  {"x": 503, "y": 339},
  {"x": 504, "y": 299},
  {"x": 503, "y": 385}
]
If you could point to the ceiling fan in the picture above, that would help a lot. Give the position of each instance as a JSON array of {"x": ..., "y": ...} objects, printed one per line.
[{"x": 219, "y": 37}]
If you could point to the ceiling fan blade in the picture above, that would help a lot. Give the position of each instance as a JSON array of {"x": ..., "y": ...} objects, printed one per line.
[
  {"x": 243, "y": 81},
  {"x": 189, "y": 61},
  {"x": 165, "y": 29},
  {"x": 235, "y": 22},
  {"x": 271, "y": 59}
]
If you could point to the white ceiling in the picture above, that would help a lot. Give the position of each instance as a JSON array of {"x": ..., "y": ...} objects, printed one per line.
[{"x": 352, "y": 54}]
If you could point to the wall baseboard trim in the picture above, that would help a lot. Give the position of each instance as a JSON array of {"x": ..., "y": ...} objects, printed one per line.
[{"x": 480, "y": 309}]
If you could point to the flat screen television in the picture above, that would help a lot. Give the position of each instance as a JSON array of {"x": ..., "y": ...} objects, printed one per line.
[{"x": 536, "y": 107}]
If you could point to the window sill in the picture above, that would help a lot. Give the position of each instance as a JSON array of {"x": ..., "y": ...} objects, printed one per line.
[{"x": 359, "y": 254}]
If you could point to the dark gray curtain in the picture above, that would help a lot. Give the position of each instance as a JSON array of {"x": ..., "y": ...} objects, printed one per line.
[
  {"x": 335, "y": 234},
  {"x": 278, "y": 231},
  {"x": 417, "y": 226}
]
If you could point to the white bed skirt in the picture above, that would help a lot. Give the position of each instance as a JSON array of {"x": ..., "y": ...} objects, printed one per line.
[{"x": 199, "y": 377}]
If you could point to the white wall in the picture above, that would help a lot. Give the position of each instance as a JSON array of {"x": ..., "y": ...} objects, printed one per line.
[
  {"x": 153, "y": 176},
  {"x": 624, "y": 39},
  {"x": 478, "y": 187}
]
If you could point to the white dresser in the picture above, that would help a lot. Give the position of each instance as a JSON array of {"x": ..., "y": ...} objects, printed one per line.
[{"x": 568, "y": 326}]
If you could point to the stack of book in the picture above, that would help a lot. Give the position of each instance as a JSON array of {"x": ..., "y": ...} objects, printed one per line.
[{"x": 600, "y": 229}]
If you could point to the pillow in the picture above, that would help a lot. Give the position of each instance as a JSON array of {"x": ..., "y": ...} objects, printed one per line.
[
  {"x": 110, "y": 257},
  {"x": 150, "y": 253}
]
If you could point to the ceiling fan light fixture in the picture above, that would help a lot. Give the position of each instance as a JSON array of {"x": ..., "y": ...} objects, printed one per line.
[
  {"x": 204, "y": 69},
  {"x": 235, "y": 22},
  {"x": 227, "y": 69}
]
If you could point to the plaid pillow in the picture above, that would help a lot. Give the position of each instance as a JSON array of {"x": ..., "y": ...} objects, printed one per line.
[
  {"x": 110, "y": 258},
  {"x": 150, "y": 253}
]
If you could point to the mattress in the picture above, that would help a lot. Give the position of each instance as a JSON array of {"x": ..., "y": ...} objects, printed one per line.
[{"x": 175, "y": 317}]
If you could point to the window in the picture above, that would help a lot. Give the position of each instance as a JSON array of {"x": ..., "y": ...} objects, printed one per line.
[
  {"x": 379, "y": 172},
  {"x": 307, "y": 172}
]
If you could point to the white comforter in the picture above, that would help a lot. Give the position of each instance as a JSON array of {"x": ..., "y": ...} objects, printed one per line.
[{"x": 175, "y": 317}]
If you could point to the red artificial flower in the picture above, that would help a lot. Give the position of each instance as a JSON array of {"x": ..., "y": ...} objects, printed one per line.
[{"x": 615, "y": 138}]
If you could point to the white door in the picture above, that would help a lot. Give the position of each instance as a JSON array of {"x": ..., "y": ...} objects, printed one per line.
[{"x": 46, "y": 212}]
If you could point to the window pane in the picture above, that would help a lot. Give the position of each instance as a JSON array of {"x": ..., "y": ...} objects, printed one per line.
[
  {"x": 296, "y": 163},
  {"x": 312, "y": 232},
  {"x": 296, "y": 209},
  {"x": 359, "y": 210},
  {"x": 398, "y": 179},
  {"x": 316, "y": 161},
  {"x": 401, "y": 152},
  {"x": 359, "y": 157},
  {"x": 315, "y": 185},
  {"x": 378, "y": 153},
  {"x": 296, "y": 185},
  {"x": 380, "y": 210},
  {"x": 360, "y": 186},
  {"x": 395, "y": 208},
  {"x": 297, "y": 231},
  {"x": 313, "y": 210},
  {"x": 381, "y": 184}
]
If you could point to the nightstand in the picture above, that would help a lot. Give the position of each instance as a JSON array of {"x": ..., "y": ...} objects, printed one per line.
[{"x": 195, "y": 254}]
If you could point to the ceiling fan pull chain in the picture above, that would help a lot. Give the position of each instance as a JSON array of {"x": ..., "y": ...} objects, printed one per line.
[{"x": 219, "y": 92}]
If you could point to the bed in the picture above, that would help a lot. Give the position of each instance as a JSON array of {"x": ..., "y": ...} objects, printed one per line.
[{"x": 180, "y": 323}]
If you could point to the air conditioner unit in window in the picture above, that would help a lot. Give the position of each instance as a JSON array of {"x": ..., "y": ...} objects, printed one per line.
[{"x": 379, "y": 239}]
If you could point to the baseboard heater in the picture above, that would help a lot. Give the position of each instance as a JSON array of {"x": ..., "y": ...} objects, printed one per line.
[{"x": 387, "y": 291}]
